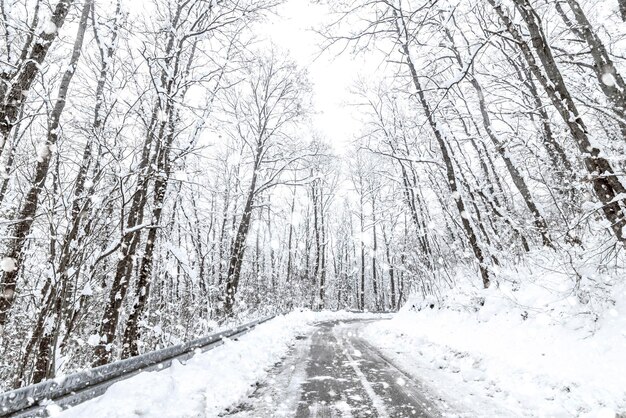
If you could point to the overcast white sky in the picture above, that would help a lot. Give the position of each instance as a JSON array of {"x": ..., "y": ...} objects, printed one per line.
[{"x": 332, "y": 77}]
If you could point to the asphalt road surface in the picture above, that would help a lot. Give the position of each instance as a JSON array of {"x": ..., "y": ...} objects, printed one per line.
[{"x": 335, "y": 373}]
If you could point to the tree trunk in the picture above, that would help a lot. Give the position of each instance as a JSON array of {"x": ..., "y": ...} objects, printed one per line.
[
  {"x": 374, "y": 249},
  {"x": 361, "y": 238},
  {"x": 610, "y": 80},
  {"x": 131, "y": 333},
  {"x": 318, "y": 244},
  {"x": 441, "y": 141},
  {"x": 237, "y": 253},
  {"x": 605, "y": 183},
  {"x": 21, "y": 80},
  {"x": 65, "y": 309},
  {"x": 142, "y": 288},
  {"x": 162, "y": 114},
  {"x": 239, "y": 244},
  {"x": 27, "y": 214},
  {"x": 290, "y": 241},
  {"x": 391, "y": 272},
  {"x": 129, "y": 242},
  {"x": 515, "y": 174},
  {"x": 322, "y": 290}
]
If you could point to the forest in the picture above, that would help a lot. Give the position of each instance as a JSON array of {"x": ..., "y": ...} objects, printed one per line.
[{"x": 163, "y": 171}]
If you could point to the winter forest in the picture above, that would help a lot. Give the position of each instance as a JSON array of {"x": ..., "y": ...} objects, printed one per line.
[{"x": 167, "y": 166}]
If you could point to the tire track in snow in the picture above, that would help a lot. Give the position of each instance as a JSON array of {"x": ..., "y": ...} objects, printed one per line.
[
  {"x": 335, "y": 373},
  {"x": 378, "y": 403}
]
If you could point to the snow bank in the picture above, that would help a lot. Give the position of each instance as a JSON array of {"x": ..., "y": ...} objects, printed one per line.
[
  {"x": 539, "y": 343},
  {"x": 209, "y": 382}
]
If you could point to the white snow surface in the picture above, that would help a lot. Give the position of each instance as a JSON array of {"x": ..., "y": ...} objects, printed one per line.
[
  {"x": 535, "y": 348},
  {"x": 209, "y": 382},
  {"x": 49, "y": 27}
]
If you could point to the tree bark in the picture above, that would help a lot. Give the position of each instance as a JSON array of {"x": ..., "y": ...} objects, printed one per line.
[
  {"x": 516, "y": 176},
  {"x": 239, "y": 247},
  {"x": 27, "y": 214},
  {"x": 361, "y": 238},
  {"x": 14, "y": 86},
  {"x": 153, "y": 149},
  {"x": 375, "y": 287},
  {"x": 290, "y": 241},
  {"x": 129, "y": 241},
  {"x": 318, "y": 243},
  {"x": 610, "y": 80},
  {"x": 64, "y": 308},
  {"x": 606, "y": 185},
  {"x": 130, "y": 339},
  {"x": 322, "y": 289},
  {"x": 391, "y": 272},
  {"x": 441, "y": 141}
]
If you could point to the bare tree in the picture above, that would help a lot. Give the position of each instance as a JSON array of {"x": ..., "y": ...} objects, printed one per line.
[
  {"x": 606, "y": 186},
  {"x": 31, "y": 202},
  {"x": 15, "y": 85},
  {"x": 265, "y": 110},
  {"x": 610, "y": 80}
]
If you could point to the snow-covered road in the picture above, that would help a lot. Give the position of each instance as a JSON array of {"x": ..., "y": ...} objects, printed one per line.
[
  {"x": 342, "y": 364},
  {"x": 336, "y": 373},
  {"x": 300, "y": 364}
]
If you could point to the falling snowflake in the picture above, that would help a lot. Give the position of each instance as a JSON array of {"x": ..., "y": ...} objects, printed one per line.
[
  {"x": 608, "y": 79},
  {"x": 49, "y": 27},
  {"x": 8, "y": 264}
]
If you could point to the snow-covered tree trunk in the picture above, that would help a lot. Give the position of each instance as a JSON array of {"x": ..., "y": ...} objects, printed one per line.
[
  {"x": 606, "y": 185},
  {"x": 15, "y": 98},
  {"x": 402, "y": 38}
]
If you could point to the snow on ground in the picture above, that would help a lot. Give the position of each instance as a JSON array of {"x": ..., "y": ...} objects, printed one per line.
[
  {"x": 209, "y": 382},
  {"x": 537, "y": 344}
]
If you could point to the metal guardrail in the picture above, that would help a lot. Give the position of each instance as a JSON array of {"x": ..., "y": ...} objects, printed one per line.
[{"x": 31, "y": 401}]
